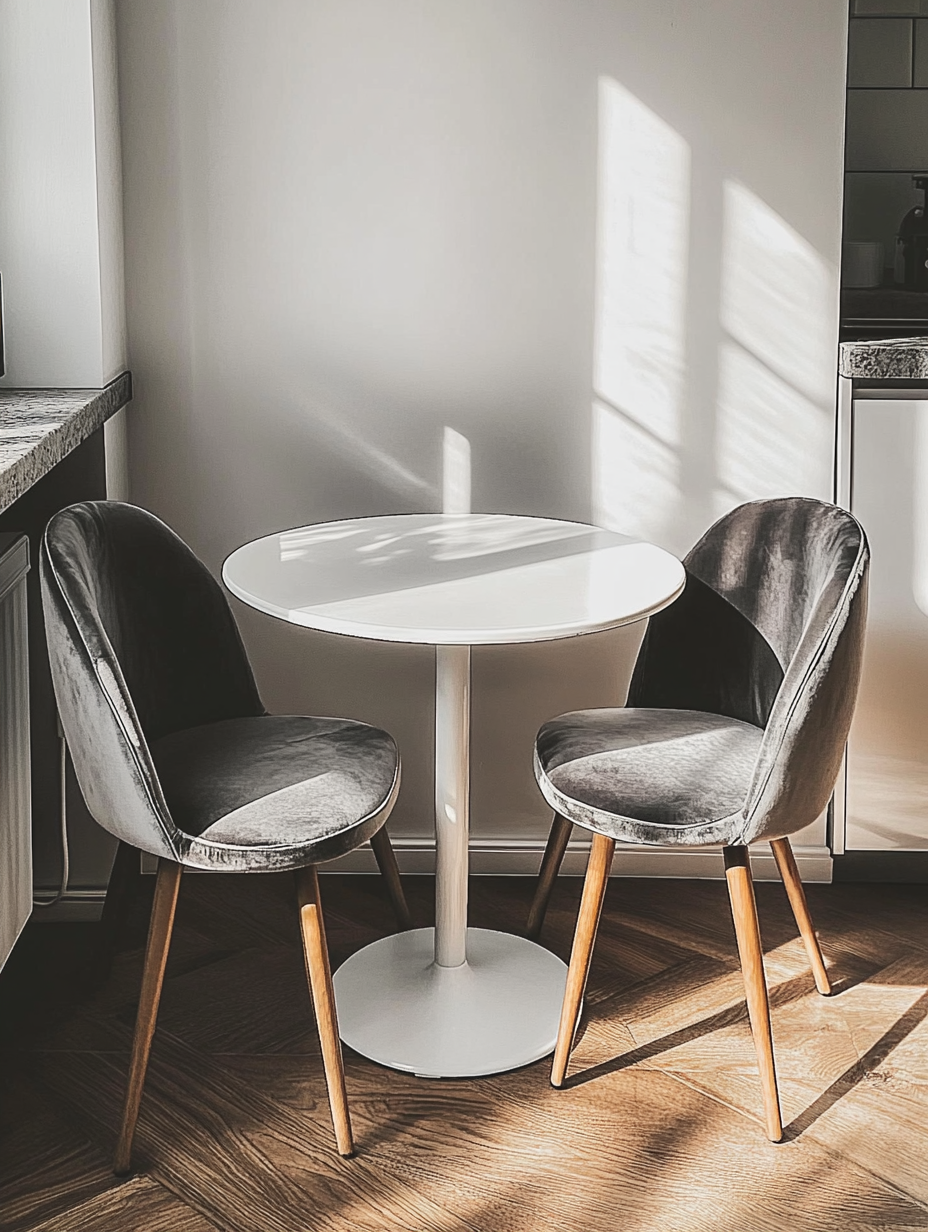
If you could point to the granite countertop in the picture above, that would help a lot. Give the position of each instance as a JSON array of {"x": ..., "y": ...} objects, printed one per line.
[
  {"x": 39, "y": 427},
  {"x": 891, "y": 359}
]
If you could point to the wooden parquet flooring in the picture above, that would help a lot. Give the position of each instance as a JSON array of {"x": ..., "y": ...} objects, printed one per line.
[{"x": 657, "y": 1130}]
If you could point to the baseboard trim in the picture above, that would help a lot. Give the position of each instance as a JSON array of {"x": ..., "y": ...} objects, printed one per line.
[
  {"x": 886, "y": 866},
  {"x": 76, "y": 907},
  {"x": 514, "y": 858},
  {"x": 522, "y": 857}
]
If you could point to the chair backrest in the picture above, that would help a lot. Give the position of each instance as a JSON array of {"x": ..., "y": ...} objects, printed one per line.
[
  {"x": 769, "y": 630},
  {"x": 142, "y": 643}
]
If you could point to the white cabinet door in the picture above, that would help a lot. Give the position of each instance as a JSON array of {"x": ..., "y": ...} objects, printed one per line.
[{"x": 887, "y": 783}]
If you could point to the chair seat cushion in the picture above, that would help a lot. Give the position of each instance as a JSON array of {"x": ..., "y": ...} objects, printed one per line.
[
  {"x": 647, "y": 775},
  {"x": 275, "y": 791}
]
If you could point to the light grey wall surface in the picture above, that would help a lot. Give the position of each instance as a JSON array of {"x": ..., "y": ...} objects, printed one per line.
[
  {"x": 108, "y": 164},
  {"x": 599, "y": 240},
  {"x": 60, "y": 217}
]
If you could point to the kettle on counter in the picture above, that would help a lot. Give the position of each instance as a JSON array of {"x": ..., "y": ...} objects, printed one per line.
[{"x": 913, "y": 241}]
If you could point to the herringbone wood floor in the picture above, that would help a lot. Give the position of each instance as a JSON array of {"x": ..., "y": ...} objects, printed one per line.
[{"x": 658, "y": 1129}]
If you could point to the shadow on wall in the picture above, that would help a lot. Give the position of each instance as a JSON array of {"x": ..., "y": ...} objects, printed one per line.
[{"x": 769, "y": 430}]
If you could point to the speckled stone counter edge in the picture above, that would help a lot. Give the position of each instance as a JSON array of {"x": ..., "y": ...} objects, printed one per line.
[
  {"x": 889, "y": 360},
  {"x": 61, "y": 418}
]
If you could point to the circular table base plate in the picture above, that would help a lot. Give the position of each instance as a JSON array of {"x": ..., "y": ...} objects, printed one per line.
[{"x": 496, "y": 1012}]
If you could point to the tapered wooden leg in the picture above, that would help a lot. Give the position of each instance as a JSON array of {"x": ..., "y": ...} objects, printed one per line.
[
  {"x": 786, "y": 863},
  {"x": 319, "y": 975},
  {"x": 550, "y": 867},
  {"x": 747, "y": 930},
  {"x": 121, "y": 892},
  {"x": 167, "y": 886},
  {"x": 591, "y": 905},
  {"x": 389, "y": 870}
]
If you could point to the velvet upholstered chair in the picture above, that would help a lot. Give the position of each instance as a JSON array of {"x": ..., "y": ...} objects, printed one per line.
[
  {"x": 176, "y": 756},
  {"x": 734, "y": 731}
]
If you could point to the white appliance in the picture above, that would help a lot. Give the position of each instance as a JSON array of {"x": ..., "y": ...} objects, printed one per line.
[{"x": 887, "y": 763}]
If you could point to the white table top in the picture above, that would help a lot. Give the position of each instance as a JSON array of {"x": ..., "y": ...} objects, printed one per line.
[{"x": 454, "y": 579}]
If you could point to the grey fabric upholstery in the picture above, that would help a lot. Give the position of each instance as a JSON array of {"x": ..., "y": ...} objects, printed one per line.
[
  {"x": 648, "y": 776},
  {"x": 171, "y": 745},
  {"x": 767, "y": 635},
  {"x": 257, "y": 789}
]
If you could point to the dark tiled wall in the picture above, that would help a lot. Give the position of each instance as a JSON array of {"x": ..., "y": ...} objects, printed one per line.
[{"x": 887, "y": 116}]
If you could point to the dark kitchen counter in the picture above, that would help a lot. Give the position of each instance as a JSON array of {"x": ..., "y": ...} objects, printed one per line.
[{"x": 882, "y": 312}]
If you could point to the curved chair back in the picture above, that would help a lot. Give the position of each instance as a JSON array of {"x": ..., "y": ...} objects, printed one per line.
[
  {"x": 142, "y": 643},
  {"x": 769, "y": 630}
]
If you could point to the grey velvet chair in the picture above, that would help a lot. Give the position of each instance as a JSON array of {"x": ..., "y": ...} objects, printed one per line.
[
  {"x": 177, "y": 757},
  {"x": 734, "y": 731}
]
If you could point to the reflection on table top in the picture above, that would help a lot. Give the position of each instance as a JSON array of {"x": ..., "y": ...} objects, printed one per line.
[{"x": 454, "y": 579}]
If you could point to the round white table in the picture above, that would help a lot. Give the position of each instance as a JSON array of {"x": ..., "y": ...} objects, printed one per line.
[{"x": 453, "y": 1001}]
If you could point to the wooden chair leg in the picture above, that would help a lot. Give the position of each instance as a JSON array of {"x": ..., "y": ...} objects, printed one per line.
[
  {"x": 591, "y": 905},
  {"x": 389, "y": 870},
  {"x": 786, "y": 863},
  {"x": 319, "y": 975},
  {"x": 550, "y": 867},
  {"x": 156, "y": 957},
  {"x": 747, "y": 930},
  {"x": 121, "y": 892}
]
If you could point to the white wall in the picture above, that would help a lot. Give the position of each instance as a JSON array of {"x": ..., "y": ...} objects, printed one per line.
[
  {"x": 60, "y": 208},
  {"x": 599, "y": 240}
]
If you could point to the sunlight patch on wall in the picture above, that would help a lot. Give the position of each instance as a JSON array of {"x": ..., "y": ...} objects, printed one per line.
[
  {"x": 778, "y": 294},
  {"x": 643, "y": 221},
  {"x": 455, "y": 472},
  {"x": 770, "y": 439},
  {"x": 635, "y": 476},
  {"x": 776, "y": 369},
  {"x": 642, "y": 254}
]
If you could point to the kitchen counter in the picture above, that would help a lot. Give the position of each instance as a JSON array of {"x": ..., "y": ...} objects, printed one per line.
[
  {"x": 872, "y": 304},
  {"x": 890, "y": 359},
  {"x": 875, "y": 313},
  {"x": 39, "y": 427}
]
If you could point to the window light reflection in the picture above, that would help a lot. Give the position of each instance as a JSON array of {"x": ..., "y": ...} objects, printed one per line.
[
  {"x": 643, "y": 220},
  {"x": 770, "y": 439},
  {"x": 778, "y": 294}
]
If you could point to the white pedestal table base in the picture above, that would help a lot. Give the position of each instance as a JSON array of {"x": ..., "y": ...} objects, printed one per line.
[
  {"x": 497, "y": 1011},
  {"x": 452, "y": 581}
]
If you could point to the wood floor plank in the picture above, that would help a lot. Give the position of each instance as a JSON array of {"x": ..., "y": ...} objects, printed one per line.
[
  {"x": 896, "y": 911},
  {"x": 877, "y": 1112},
  {"x": 511, "y": 1153},
  {"x": 628, "y": 1152},
  {"x": 252, "y": 1001},
  {"x": 658, "y": 1131},
  {"x": 228, "y": 1151},
  {"x": 236, "y": 912},
  {"x": 822, "y": 1045},
  {"x": 136, "y": 1205},
  {"x": 100, "y": 1017},
  {"x": 45, "y": 1164}
]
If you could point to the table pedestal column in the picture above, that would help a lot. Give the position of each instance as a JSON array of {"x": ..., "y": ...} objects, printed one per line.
[
  {"x": 453, "y": 1001},
  {"x": 452, "y": 802}
]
